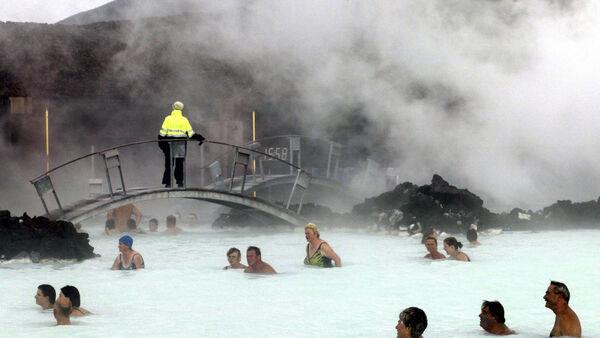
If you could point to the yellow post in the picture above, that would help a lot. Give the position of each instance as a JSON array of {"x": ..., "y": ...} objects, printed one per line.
[
  {"x": 47, "y": 142},
  {"x": 254, "y": 140}
]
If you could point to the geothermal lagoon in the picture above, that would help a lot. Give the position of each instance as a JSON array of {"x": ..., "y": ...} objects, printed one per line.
[{"x": 184, "y": 292}]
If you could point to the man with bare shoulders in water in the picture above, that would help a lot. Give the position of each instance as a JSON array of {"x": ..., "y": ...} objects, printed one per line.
[
  {"x": 122, "y": 214},
  {"x": 491, "y": 318},
  {"x": 566, "y": 323},
  {"x": 172, "y": 228},
  {"x": 432, "y": 247},
  {"x": 255, "y": 263}
]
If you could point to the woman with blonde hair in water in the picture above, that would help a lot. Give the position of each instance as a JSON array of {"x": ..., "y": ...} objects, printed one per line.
[{"x": 318, "y": 252}]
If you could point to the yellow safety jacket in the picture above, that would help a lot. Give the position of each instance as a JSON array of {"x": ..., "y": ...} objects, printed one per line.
[{"x": 176, "y": 125}]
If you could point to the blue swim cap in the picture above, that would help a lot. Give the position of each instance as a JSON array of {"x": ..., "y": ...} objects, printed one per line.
[{"x": 127, "y": 240}]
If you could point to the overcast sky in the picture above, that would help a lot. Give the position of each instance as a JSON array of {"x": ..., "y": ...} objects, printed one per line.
[{"x": 44, "y": 11}]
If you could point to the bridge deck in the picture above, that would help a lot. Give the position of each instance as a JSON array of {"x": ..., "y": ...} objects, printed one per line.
[{"x": 89, "y": 208}]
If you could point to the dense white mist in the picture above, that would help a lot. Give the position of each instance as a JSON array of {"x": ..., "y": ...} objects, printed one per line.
[
  {"x": 44, "y": 11},
  {"x": 499, "y": 97},
  {"x": 495, "y": 96}
]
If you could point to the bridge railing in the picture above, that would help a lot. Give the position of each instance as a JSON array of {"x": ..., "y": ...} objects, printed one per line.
[
  {"x": 322, "y": 160},
  {"x": 136, "y": 166}
]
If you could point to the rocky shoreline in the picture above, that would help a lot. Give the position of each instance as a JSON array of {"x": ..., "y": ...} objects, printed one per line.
[
  {"x": 39, "y": 238},
  {"x": 447, "y": 208}
]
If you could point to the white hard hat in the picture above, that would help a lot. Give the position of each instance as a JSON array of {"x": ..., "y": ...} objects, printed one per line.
[{"x": 178, "y": 105}]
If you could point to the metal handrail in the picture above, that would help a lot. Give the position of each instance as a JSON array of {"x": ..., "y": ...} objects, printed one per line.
[
  {"x": 300, "y": 136},
  {"x": 156, "y": 141}
]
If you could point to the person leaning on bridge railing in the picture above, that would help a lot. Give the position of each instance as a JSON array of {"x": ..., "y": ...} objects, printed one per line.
[{"x": 175, "y": 126}]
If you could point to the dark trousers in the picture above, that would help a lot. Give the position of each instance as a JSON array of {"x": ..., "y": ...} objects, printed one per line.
[{"x": 178, "y": 168}]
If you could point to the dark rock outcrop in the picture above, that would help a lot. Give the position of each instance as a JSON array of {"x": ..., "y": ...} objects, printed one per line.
[
  {"x": 40, "y": 238},
  {"x": 562, "y": 214},
  {"x": 438, "y": 204}
]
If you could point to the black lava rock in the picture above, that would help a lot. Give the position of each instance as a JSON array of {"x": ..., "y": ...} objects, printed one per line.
[
  {"x": 41, "y": 238},
  {"x": 438, "y": 205}
]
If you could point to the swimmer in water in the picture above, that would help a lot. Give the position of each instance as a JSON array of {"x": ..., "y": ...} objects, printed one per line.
[
  {"x": 431, "y": 246},
  {"x": 491, "y": 319},
  {"x": 132, "y": 226},
  {"x": 412, "y": 323},
  {"x": 45, "y": 296},
  {"x": 121, "y": 214},
  {"x": 128, "y": 259},
  {"x": 452, "y": 248},
  {"x": 153, "y": 225},
  {"x": 566, "y": 322},
  {"x": 255, "y": 263},
  {"x": 318, "y": 252},
  {"x": 72, "y": 294},
  {"x": 234, "y": 256},
  {"x": 109, "y": 227},
  {"x": 62, "y": 311},
  {"x": 472, "y": 237},
  {"x": 172, "y": 228}
]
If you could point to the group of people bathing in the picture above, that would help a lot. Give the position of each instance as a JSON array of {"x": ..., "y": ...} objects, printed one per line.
[
  {"x": 413, "y": 321},
  {"x": 492, "y": 312},
  {"x": 110, "y": 228},
  {"x": 451, "y": 245},
  {"x": 67, "y": 305},
  {"x": 318, "y": 253}
]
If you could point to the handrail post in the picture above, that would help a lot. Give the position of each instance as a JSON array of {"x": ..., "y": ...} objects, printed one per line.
[
  {"x": 243, "y": 158},
  {"x": 302, "y": 181},
  {"x": 111, "y": 160},
  {"x": 235, "y": 157},
  {"x": 110, "y": 189},
  {"x": 44, "y": 185},
  {"x": 329, "y": 158}
]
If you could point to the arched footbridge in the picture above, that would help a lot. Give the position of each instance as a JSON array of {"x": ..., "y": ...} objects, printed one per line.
[{"x": 225, "y": 187}]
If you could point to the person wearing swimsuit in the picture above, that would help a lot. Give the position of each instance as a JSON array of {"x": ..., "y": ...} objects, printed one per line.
[
  {"x": 72, "y": 294},
  {"x": 128, "y": 259},
  {"x": 318, "y": 252},
  {"x": 452, "y": 248}
]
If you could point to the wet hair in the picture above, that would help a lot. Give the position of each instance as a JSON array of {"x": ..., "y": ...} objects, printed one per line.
[
  {"x": 72, "y": 293},
  {"x": 131, "y": 224},
  {"x": 255, "y": 249},
  {"x": 48, "y": 291},
  {"x": 110, "y": 224},
  {"x": 451, "y": 241},
  {"x": 428, "y": 232},
  {"x": 171, "y": 220},
  {"x": 236, "y": 250},
  {"x": 414, "y": 319},
  {"x": 471, "y": 235},
  {"x": 496, "y": 310},
  {"x": 313, "y": 227},
  {"x": 561, "y": 289},
  {"x": 153, "y": 220},
  {"x": 430, "y": 237}
]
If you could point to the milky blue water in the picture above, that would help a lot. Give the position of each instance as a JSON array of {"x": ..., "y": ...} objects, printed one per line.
[{"x": 183, "y": 292}]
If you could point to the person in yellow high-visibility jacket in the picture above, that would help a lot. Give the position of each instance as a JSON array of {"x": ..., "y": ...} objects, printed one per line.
[{"x": 175, "y": 126}]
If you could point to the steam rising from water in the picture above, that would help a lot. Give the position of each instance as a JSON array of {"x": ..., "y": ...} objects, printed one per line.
[{"x": 496, "y": 96}]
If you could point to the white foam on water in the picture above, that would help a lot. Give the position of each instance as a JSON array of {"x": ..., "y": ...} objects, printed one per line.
[{"x": 184, "y": 292}]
